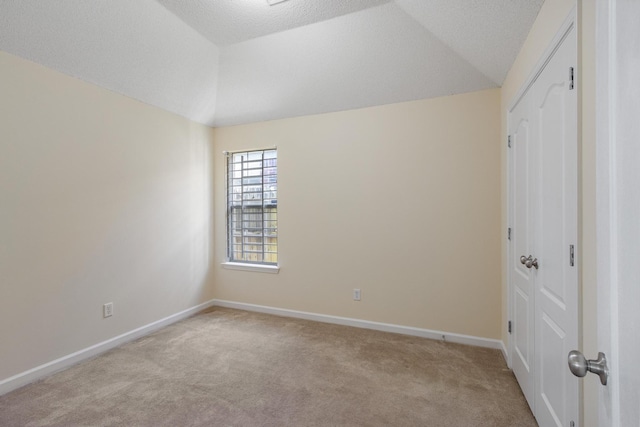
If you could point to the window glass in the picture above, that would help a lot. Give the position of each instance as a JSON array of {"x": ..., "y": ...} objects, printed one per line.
[{"x": 252, "y": 207}]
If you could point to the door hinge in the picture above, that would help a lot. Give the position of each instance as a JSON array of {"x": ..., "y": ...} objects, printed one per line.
[
  {"x": 509, "y": 326},
  {"x": 571, "y": 78},
  {"x": 509, "y": 141},
  {"x": 509, "y": 233},
  {"x": 571, "y": 256}
]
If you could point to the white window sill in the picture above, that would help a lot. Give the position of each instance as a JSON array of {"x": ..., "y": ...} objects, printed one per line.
[{"x": 258, "y": 268}]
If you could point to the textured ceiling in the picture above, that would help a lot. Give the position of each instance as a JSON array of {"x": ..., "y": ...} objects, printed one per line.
[
  {"x": 225, "y": 62},
  {"x": 225, "y": 22},
  {"x": 134, "y": 47},
  {"x": 487, "y": 33}
]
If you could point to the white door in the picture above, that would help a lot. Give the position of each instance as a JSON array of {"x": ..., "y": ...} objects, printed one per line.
[
  {"x": 618, "y": 208},
  {"x": 543, "y": 220},
  {"x": 521, "y": 277},
  {"x": 555, "y": 236}
]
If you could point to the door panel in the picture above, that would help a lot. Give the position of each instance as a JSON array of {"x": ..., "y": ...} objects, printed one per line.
[
  {"x": 551, "y": 244},
  {"x": 520, "y": 276},
  {"x": 556, "y": 281},
  {"x": 551, "y": 368},
  {"x": 522, "y": 344}
]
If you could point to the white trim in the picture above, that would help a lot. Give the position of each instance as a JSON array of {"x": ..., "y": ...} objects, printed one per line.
[
  {"x": 49, "y": 368},
  {"x": 505, "y": 353},
  {"x": 228, "y": 153},
  {"x": 606, "y": 208},
  {"x": 257, "y": 268},
  {"x": 366, "y": 324},
  {"x": 507, "y": 265}
]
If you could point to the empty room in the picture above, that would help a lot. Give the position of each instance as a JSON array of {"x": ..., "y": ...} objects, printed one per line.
[{"x": 319, "y": 212}]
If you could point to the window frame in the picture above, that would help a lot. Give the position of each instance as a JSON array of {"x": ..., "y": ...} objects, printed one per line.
[{"x": 242, "y": 208}]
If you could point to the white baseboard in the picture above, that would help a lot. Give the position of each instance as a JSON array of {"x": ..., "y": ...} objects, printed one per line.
[
  {"x": 505, "y": 352},
  {"x": 366, "y": 324},
  {"x": 49, "y": 368}
]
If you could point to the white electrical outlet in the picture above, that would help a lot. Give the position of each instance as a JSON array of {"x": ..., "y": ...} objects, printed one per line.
[
  {"x": 107, "y": 309},
  {"x": 356, "y": 294}
]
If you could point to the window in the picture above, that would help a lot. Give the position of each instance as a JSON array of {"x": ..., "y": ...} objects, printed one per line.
[{"x": 252, "y": 207}]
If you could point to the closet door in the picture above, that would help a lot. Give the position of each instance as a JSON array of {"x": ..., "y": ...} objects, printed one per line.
[
  {"x": 555, "y": 237},
  {"x": 543, "y": 276},
  {"x": 521, "y": 277}
]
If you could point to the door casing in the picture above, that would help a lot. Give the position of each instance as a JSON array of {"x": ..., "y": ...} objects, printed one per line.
[{"x": 618, "y": 210}]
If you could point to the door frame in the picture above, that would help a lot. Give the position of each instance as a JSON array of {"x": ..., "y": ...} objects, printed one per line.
[
  {"x": 615, "y": 205},
  {"x": 608, "y": 401},
  {"x": 569, "y": 23}
]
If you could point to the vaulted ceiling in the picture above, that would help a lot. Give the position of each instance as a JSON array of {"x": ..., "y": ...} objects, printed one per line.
[{"x": 226, "y": 62}]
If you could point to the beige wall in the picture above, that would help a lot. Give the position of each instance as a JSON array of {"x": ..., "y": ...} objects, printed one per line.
[
  {"x": 549, "y": 20},
  {"x": 102, "y": 199},
  {"x": 401, "y": 201}
]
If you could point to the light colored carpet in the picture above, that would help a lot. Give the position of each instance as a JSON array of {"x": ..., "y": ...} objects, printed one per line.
[{"x": 227, "y": 367}]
